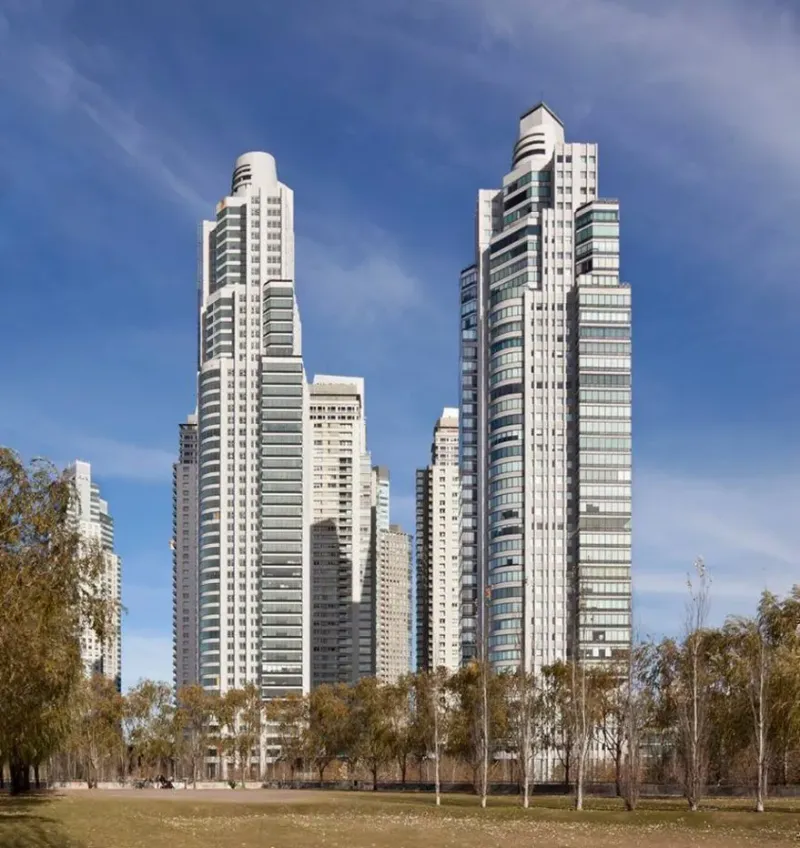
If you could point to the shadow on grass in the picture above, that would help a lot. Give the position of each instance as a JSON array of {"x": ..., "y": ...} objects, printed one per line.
[
  {"x": 23, "y": 824},
  {"x": 714, "y": 813}
]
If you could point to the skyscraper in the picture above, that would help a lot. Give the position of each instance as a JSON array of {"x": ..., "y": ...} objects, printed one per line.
[
  {"x": 546, "y": 412},
  {"x": 252, "y": 420},
  {"x": 393, "y": 605},
  {"x": 438, "y": 550},
  {"x": 184, "y": 557},
  {"x": 341, "y": 549},
  {"x": 90, "y": 511}
]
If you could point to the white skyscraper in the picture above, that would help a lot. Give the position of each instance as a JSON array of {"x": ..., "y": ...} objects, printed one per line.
[
  {"x": 184, "y": 557},
  {"x": 97, "y": 527},
  {"x": 341, "y": 549},
  {"x": 546, "y": 412},
  {"x": 438, "y": 550},
  {"x": 393, "y": 604},
  {"x": 252, "y": 420}
]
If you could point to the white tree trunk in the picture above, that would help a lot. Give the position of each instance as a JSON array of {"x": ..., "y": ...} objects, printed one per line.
[{"x": 436, "y": 748}]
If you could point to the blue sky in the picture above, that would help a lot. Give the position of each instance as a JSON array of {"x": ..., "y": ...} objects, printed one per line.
[{"x": 120, "y": 124}]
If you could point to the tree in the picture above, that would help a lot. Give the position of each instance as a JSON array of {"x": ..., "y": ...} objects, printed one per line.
[
  {"x": 634, "y": 717},
  {"x": 752, "y": 649},
  {"x": 329, "y": 723},
  {"x": 370, "y": 728},
  {"x": 478, "y": 720},
  {"x": 49, "y": 589},
  {"x": 429, "y": 720},
  {"x": 783, "y": 623},
  {"x": 249, "y": 727},
  {"x": 150, "y": 729},
  {"x": 97, "y": 735},
  {"x": 587, "y": 695},
  {"x": 240, "y": 719},
  {"x": 399, "y": 698},
  {"x": 525, "y": 715},
  {"x": 195, "y": 710},
  {"x": 556, "y": 730},
  {"x": 290, "y": 718},
  {"x": 693, "y": 690}
]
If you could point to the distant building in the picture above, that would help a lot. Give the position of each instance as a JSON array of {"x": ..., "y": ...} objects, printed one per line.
[
  {"x": 95, "y": 524},
  {"x": 341, "y": 549},
  {"x": 438, "y": 541},
  {"x": 185, "y": 601},
  {"x": 393, "y": 604}
]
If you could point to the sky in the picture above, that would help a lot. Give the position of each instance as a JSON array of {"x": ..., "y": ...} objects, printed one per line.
[{"x": 119, "y": 127}]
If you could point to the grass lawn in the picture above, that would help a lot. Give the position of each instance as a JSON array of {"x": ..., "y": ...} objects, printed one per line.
[{"x": 286, "y": 819}]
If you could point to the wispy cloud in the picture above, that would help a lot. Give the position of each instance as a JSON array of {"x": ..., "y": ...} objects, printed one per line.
[
  {"x": 745, "y": 527},
  {"x": 695, "y": 94},
  {"x": 32, "y": 433},
  {"x": 351, "y": 268},
  {"x": 357, "y": 278},
  {"x": 53, "y": 79}
]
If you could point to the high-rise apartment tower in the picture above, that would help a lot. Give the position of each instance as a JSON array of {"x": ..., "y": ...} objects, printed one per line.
[
  {"x": 95, "y": 524},
  {"x": 438, "y": 550},
  {"x": 393, "y": 604},
  {"x": 546, "y": 413},
  {"x": 184, "y": 557},
  {"x": 341, "y": 549},
  {"x": 252, "y": 475}
]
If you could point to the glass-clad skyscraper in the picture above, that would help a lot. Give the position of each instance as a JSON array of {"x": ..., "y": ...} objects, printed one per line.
[{"x": 545, "y": 424}]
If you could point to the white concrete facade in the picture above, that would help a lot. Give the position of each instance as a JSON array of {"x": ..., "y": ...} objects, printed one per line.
[
  {"x": 253, "y": 471},
  {"x": 393, "y": 604},
  {"x": 185, "y": 599},
  {"x": 438, "y": 541},
  {"x": 341, "y": 550},
  {"x": 545, "y": 413},
  {"x": 95, "y": 524}
]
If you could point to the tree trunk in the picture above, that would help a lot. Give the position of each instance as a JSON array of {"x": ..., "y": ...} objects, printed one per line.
[
  {"x": 403, "y": 769},
  {"x": 526, "y": 789},
  {"x": 20, "y": 778},
  {"x": 321, "y": 770},
  {"x": 36, "y": 776},
  {"x": 581, "y": 767},
  {"x": 437, "y": 779}
]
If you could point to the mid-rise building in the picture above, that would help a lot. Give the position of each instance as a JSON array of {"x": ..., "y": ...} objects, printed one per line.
[
  {"x": 546, "y": 412},
  {"x": 184, "y": 557},
  {"x": 341, "y": 547},
  {"x": 393, "y": 604},
  {"x": 96, "y": 526},
  {"x": 438, "y": 536},
  {"x": 253, "y": 474}
]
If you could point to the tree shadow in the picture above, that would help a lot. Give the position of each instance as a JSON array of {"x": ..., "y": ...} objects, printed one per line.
[{"x": 24, "y": 824}]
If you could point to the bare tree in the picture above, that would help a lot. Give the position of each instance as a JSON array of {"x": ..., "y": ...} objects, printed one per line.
[
  {"x": 693, "y": 688},
  {"x": 438, "y": 706},
  {"x": 525, "y": 713},
  {"x": 484, "y": 730},
  {"x": 751, "y": 649},
  {"x": 588, "y": 693},
  {"x": 634, "y": 719}
]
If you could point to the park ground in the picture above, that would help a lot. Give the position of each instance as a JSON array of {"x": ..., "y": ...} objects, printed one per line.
[{"x": 308, "y": 819}]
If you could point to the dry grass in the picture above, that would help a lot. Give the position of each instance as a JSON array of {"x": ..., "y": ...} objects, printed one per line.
[{"x": 273, "y": 819}]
